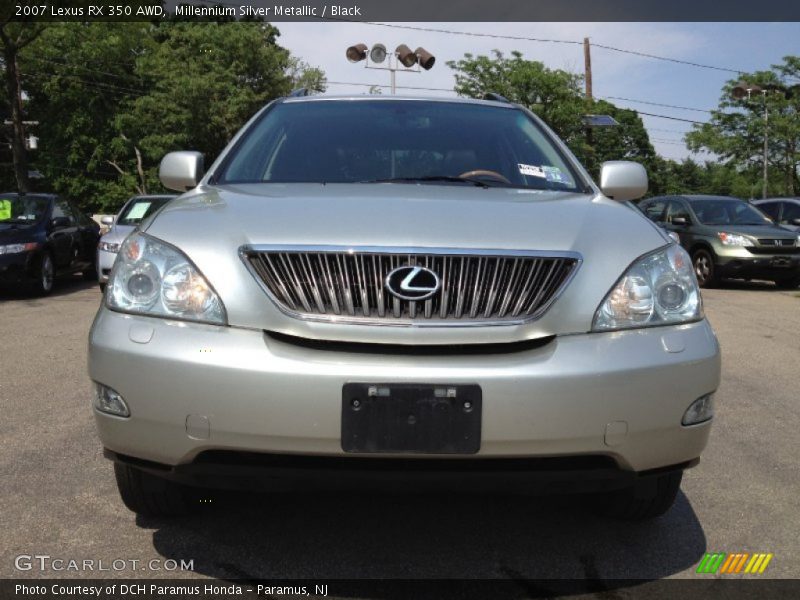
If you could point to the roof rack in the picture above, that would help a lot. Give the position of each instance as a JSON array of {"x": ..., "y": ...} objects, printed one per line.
[
  {"x": 496, "y": 97},
  {"x": 299, "y": 92}
]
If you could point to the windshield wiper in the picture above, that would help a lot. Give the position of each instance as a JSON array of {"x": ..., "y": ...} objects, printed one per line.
[{"x": 447, "y": 178}]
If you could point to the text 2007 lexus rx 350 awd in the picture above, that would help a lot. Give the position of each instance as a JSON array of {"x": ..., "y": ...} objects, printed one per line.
[{"x": 368, "y": 289}]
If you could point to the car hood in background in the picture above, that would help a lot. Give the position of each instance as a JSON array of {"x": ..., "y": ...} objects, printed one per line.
[
  {"x": 117, "y": 234},
  {"x": 756, "y": 231},
  {"x": 211, "y": 224}
]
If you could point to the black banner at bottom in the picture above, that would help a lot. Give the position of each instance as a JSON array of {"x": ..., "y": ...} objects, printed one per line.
[{"x": 391, "y": 589}]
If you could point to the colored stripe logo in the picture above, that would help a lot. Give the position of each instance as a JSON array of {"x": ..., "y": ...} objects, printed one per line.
[{"x": 737, "y": 562}]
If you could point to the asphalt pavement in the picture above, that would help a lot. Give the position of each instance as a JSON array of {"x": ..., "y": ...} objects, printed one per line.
[{"x": 58, "y": 495}]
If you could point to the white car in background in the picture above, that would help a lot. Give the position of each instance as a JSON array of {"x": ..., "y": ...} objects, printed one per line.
[{"x": 132, "y": 213}]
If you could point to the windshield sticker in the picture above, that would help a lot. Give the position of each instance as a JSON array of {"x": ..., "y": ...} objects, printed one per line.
[
  {"x": 138, "y": 211},
  {"x": 554, "y": 174},
  {"x": 531, "y": 170},
  {"x": 5, "y": 210}
]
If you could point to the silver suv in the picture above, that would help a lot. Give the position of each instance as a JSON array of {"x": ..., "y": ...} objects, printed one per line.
[{"x": 370, "y": 289}]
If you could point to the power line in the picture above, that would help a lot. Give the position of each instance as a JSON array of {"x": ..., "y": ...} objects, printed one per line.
[
  {"x": 554, "y": 41},
  {"x": 635, "y": 101},
  {"x": 671, "y": 118}
]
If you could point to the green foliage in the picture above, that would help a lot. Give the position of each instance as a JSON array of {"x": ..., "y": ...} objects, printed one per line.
[
  {"x": 735, "y": 132},
  {"x": 555, "y": 96},
  {"x": 113, "y": 98}
]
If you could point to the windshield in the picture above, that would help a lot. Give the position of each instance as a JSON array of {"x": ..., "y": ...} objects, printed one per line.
[
  {"x": 728, "y": 212},
  {"x": 22, "y": 209},
  {"x": 140, "y": 208},
  {"x": 402, "y": 141}
]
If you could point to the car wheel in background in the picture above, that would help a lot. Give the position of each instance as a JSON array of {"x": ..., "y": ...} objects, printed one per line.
[
  {"x": 788, "y": 283},
  {"x": 645, "y": 500},
  {"x": 44, "y": 275},
  {"x": 704, "y": 269},
  {"x": 146, "y": 494},
  {"x": 90, "y": 274}
]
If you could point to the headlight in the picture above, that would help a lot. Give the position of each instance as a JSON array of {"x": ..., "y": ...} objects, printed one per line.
[
  {"x": 17, "y": 248},
  {"x": 734, "y": 239},
  {"x": 108, "y": 247},
  {"x": 658, "y": 289},
  {"x": 150, "y": 277}
]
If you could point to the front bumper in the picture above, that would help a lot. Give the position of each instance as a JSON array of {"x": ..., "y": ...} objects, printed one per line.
[
  {"x": 737, "y": 262},
  {"x": 195, "y": 388},
  {"x": 105, "y": 260},
  {"x": 16, "y": 267}
]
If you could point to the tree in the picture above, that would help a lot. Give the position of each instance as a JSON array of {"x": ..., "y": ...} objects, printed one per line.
[
  {"x": 555, "y": 96},
  {"x": 113, "y": 98},
  {"x": 14, "y": 37},
  {"x": 735, "y": 132},
  {"x": 303, "y": 75}
]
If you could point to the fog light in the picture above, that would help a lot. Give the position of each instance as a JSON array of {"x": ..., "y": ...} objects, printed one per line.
[
  {"x": 700, "y": 410},
  {"x": 108, "y": 401}
]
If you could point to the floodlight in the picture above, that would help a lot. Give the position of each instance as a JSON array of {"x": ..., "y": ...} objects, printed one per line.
[
  {"x": 426, "y": 59},
  {"x": 378, "y": 53},
  {"x": 356, "y": 53},
  {"x": 406, "y": 57}
]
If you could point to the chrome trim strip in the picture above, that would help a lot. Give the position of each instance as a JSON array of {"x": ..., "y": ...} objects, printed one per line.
[{"x": 247, "y": 249}]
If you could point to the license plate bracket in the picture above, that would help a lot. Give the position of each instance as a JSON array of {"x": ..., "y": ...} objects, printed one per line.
[{"x": 411, "y": 418}]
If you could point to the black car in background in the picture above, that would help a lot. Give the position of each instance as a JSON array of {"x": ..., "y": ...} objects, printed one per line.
[
  {"x": 784, "y": 211},
  {"x": 728, "y": 237},
  {"x": 42, "y": 236}
]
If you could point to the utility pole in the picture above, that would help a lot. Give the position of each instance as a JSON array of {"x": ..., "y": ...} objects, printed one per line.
[
  {"x": 587, "y": 78},
  {"x": 766, "y": 139},
  {"x": 587, "y": 67}
]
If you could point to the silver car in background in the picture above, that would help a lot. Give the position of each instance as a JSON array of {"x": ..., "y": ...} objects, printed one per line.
[
  {"x": 129, "y": 217},
  {"x": 379, "y": 289}
]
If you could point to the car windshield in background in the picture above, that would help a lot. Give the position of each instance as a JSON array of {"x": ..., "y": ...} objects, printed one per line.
[
  {"x": 401, "y": 141},
  {"x": 728, "y": 212},
  {"x": 140, "y": 208},
  {"x": 22, "y": 210}
]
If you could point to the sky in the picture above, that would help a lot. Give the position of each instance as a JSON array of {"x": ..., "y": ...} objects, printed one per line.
[{"x": 742, "y": 47}]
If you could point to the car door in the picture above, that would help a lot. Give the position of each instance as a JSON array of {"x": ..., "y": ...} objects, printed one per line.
[
  {"x": 61, "y": 235},
  {"x": 86, "y": 237}
]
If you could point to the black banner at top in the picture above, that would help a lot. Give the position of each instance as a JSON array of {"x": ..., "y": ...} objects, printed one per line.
[{"x": 406, "y": 10}]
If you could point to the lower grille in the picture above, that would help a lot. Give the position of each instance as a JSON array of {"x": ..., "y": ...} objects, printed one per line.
[{"x": 343, "y": 284}]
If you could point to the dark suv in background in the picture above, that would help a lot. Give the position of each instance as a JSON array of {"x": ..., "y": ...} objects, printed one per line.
[
  {"x": 41, "y": 236},
  {"x": 728, "y": 237}
]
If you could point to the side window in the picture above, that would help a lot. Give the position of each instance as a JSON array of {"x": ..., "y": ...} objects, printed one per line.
[
  {"x": 655, "y": 210},
  {"x": 771, "y": 209},
  {"x": 61, "y": 208},
  {"x": 677, "y": 209},
  {"x": 791, "y": 211}
]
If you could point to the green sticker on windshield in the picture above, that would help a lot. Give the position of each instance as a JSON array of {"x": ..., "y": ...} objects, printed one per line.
[{"x": 5, "y": 210}]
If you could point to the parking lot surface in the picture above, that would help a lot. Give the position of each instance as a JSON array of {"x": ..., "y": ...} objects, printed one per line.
[{"x": 58, "y": 494}]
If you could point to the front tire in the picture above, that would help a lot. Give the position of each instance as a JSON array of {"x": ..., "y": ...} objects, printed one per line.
[
  {"x": 642, "y": 501},
  {"x": 704, "y": 268},
  {"x": 148, "y": 495},
  {"x": 44, "y": 275}
]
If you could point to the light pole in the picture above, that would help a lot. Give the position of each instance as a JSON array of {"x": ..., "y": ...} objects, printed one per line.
[
  {"x": 743, "y": 90},
  {"x": 402, "y": 56}
]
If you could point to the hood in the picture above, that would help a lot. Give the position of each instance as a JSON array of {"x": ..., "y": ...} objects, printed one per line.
[
  {"x": 756, "y": 231},
  {"x": 210, "y": 225},
  {"x": 117, "y": 234}
]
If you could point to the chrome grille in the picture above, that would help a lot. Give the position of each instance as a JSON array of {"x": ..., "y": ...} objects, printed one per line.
[{"x": 477, "y": 287}]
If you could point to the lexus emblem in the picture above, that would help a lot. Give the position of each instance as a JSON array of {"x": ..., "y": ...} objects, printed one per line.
[{"x": 412, "y": 283}]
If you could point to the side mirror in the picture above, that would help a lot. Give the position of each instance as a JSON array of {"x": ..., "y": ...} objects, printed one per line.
[
  {"x": 795, "y": 222},
  {"x": 623, "y": 180},
  {"x": 181, "y": 171},
  {"x": 59, "y": 222},
  {"x": 682, "y": 221},
  {"x": 107, "y": 220}
]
